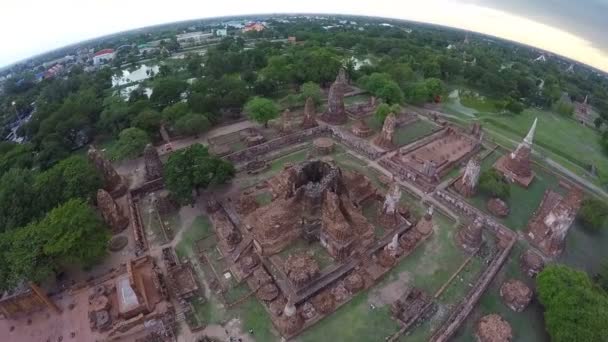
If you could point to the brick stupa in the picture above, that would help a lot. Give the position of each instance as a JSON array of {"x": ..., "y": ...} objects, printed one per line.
[{"x": 516, "y": 166}]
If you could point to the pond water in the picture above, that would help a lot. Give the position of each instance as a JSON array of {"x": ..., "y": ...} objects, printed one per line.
[{"x": 137, "y": 75}]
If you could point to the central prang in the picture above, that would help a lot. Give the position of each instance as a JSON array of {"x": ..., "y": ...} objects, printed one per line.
[{"x": 316, "y": 201}]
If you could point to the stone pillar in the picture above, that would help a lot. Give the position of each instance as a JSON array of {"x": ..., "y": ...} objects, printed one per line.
[
  {"x": 310, "y": 114},
  {"x": 470, "y": 237},
  {"x": 153, "y": 164},
  {"x": 110, "y": 211},
  {"x": 385, "y": 139},
  {"x": 389, "y": 215},
  {"x": 113, "y": 182}
]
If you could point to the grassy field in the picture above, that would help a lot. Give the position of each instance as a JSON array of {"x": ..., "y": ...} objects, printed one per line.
[
  {"x": 410, "y": 133},
  {"x": 522, "y": 202},
  {"x": 558, "y": 137},
  {"x": 528, "y": 326},
  {"x": 429, "y": 267}
]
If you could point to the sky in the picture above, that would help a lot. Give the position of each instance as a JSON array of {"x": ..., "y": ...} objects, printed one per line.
[{"x": 574, "y": 28}]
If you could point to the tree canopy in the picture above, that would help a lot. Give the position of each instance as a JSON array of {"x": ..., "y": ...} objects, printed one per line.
[
  {"x": 493, "y": 183},
  {"x": 193, "y": 168},
  {"x": 131, "y": 143},
  {"x": 261, "y": 110},
  {"x": 575, "y": 309},
  {"x": 593, "y": 214}
]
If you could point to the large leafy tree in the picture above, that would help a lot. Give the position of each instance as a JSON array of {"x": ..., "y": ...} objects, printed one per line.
[
  {"x": 493, "y": 183},
  {"x": 74, "y": 234},
  {"x": 593, "y": 214},
  {"x": 382, "y": 86},
  {"x": 26, "y": 258},
  {"x": 167, "y": 91},
  {"x": 149, "y": 121},
  {"x": 575, "y": 309},
  {"x": 73, "y": 177},
  {"x": 18, "y": 199},
  {"x": 131, "y": 143},
  {"x": 261, "y": 110},
  {"x": 194, "y": 169},
  {"x": 192, "y": 124}
]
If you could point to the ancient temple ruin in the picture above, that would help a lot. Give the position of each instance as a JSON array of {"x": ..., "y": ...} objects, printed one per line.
[
  {"x": 335, "y": 113},
  {"x": 152, "y": 162},
  {"x": 531, "y": 263},
  {"x": 23, "y": 300},
  {"x": 467, "y": 184},
  {"x": 470, "y": 236},
  {"x": 110, "y": 211},
  {"x": 312, "y": 200},
  {"x": 517, "y": 166},
  {"x": 385, "y": 138},
  {"x": 316, "y": 204},
  {"x": 435, "y": 155},
  {"x": 389, "y": 212},
  {"x": 493, "y": 328},
  {"x": 516, "y": 294},
  {"x": 550, "y": 223},
  {"x": 113, "y": 182},
  {"x": 361, "y": 129},
  {"x": 310, "y": 114}
]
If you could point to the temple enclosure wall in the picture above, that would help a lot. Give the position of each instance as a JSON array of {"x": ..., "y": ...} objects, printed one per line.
[{"x": 359, "y": 145}]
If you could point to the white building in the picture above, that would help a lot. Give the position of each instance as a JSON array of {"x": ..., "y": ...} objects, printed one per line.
[
  {"x": 103, "y": 56},
  {"x": 193, "y": 37},
  {"x": 221, "y": 32}
]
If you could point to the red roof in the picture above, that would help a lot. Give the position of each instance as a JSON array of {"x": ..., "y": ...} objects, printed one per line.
[{"x": 104, "y": 51}]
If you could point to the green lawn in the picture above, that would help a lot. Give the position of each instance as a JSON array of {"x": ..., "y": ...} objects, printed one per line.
[
  {"x": 408, "y": 134},
  {"x": 522, "y": 202},
  {"x": 560, "y": 138},
  {"x": 528, "y": 326}
]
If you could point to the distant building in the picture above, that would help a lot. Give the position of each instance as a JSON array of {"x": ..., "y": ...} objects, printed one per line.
[
  {"x": 193, "y": 37},
  {"x": 103, "y": 56},
  {"x": 54, "y": 71},
  {"x": 62, "y": 60},
  {"x": 221, "y": 32},
  {"x": 255, "y": 26}
]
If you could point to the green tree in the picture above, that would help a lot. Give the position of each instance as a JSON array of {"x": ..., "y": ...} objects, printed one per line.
[
  {"x": 434, "y": 86},
  {"x": 575, "y": 309},
  {"x": 174, "y": 112},
  {"x": 192, "y": 124},
  {"x": 149, "y": 121},
  {"x": 261, "y": 110},
  {"x": 564, "y": 107},
  {"x": 493, "y": 183},
  {"x": 382, "y": 86},
  {"x": 18, "y": 199},
  {"x": 193, "y": 168},
  {"x": 384, "y": 110},
  {"x": 25, "y": 260},
  {"x": 115, "y": 116},
  {"x": 73, "y": 177},
  {"x": 593, "y": 214},
  {"x": 131, "y": 143},
  {"x": 311, "y": 89},
  {"x": 514, "y": 106},
  {"x": 167, "y": 91},
  {"x": 74, "y": 234}
]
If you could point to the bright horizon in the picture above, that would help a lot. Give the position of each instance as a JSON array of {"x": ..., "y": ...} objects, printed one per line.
[{"x": 65, "y": 22}]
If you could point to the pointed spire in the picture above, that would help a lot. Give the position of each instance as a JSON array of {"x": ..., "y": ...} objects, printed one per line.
[{"x": 530, "y": 137}]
